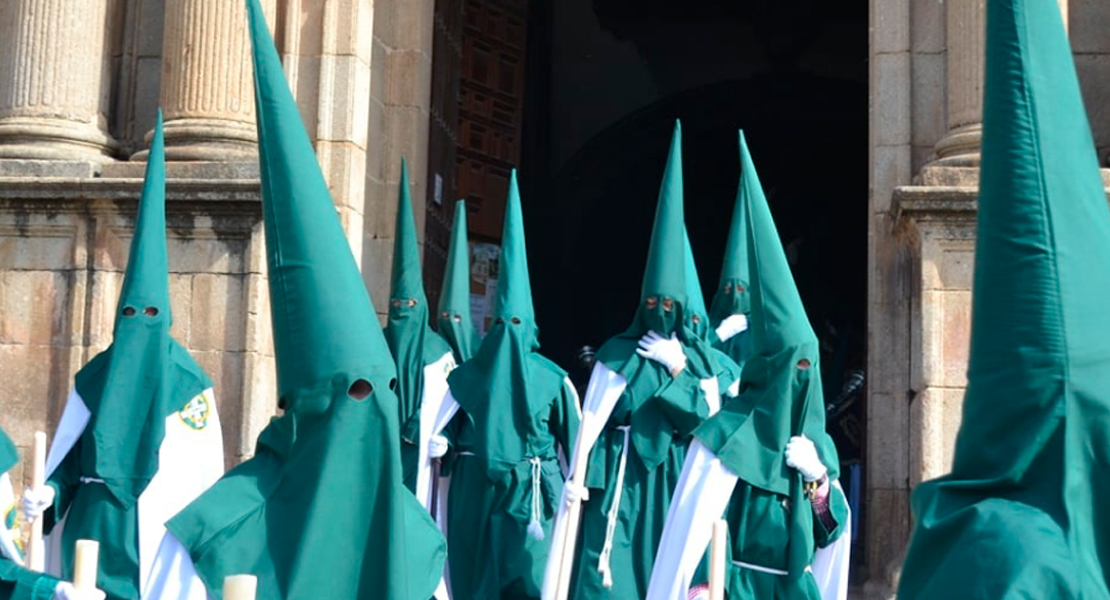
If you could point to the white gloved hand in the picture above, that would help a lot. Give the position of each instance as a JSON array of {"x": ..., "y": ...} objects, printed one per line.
[
  {"x": 801, "y": 454},
  {"x": 665, "y": 351},
  {"x": 65, "y": 591},
  {"x": 732, "y": 325},
  {"x": 575, "y": 493},
  {"x": 437, "y": 446},
  {"x": 36, "y": 501}
]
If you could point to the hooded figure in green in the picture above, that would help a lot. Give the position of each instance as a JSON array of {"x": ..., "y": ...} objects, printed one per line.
[
  {"x": 769, "y": 448},
  {"x": 1023, "y": 513},
  {"x": 732, "y": 302},
  {"x": 454, "y": 322},
  {"x": 651, "y": 386},
  {"x": 518, "y": 414},
  {"x": 139, "y": 437},
  {"x": 423, "y": 358},
  {"x": 16, "y": 582},
  {"x": 320, "y": 511}
]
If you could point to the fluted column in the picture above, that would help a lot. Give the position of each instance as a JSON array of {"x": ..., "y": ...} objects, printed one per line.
[
  {"x": 207, "y": 82},
  {"x": 53, "y": 80},
  {"x": 966, "y": 35}
]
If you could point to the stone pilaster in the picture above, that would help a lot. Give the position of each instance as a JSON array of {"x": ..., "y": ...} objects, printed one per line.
[
  {"x": 965, "y": 34},
  {"x": 207, "y": 82},
  {"x": 53, "y": 91}
]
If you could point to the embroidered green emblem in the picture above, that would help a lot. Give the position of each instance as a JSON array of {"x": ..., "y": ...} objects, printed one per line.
[{"x": 195, "y": 413}]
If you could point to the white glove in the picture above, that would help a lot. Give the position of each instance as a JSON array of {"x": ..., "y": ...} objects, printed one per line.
[
  {"x": 575, "y": 493},
  {"x": 732, "y": 325},
  {"x": 65, "y": 591},
  {"x": 665, "y": 351},
  {"x": 802, "y": 455},
  {"x": 437, "y": 446},
  {"x": 36, "y": 501}
]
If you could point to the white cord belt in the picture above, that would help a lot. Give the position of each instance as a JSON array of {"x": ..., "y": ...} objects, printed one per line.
[
  {"x": 91, "y": 480},
  {"x": 769, "y": 570},
  {"x": 614, "y": 508}
]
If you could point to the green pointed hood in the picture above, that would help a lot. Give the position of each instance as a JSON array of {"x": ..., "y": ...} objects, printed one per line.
[
  {"x": 1022, "y": 514},
  {"x": 697, "y": 320},
  {"x": 732, "y": 296},
  {"x": 781, "y": 382},
  {"x": 413, "y": 344},
  {"x": 144, "y": 376},
  {"x": 454, "y": 322},
  {"x": 661, "y": 404},
  {"x": 508, "y": 379},
  {"x": 337, "y": 443}
]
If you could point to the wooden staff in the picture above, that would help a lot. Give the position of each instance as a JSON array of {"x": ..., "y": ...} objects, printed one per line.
[
  {"x": 240, "y": 587},
  {"x": 84, "y": 565},
  {"x": 717, "y": 560},
  {"x": 36, "y": 552},
  {"x": 574, "y": 512}
]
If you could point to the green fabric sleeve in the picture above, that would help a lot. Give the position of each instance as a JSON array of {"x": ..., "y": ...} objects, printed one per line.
[
  {"x": 65, "y": 480},
  {"x": 838, "y": 508},
  {"x": 17, "y": 583},
  {"x": 565, "y": 421}
]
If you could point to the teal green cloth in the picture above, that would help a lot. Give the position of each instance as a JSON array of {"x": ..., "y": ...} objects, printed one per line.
[
  {"x": 411, "y": 341},
  {"x": 320, "y": 511},
  {"x": 454, "y": 322},
  {"x": 129, "y": 389},
  {"x": 760, "y": 525},
  {"x": 660, "y": 411},
  {"x": 18, "y": 583},
  {"x": 780, "y": 387},
  {"x": 9, "y": 455},
  {"x": 1023, "y": 512},
  {"x": 732, "y": 296},
  {"x": 516, "y": 412}
]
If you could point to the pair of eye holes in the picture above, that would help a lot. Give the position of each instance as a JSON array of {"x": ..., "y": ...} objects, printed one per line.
[
  {"x": 397, "y": 302},
  {"x": 361, "y": 389},
  {"x": 448, "y": 316},
  {"x": 150, "y": 311},
  {"x": 739, "y": 288},
  {"x": 514, "y": 320},
  {"x": 652, "y": 302}
]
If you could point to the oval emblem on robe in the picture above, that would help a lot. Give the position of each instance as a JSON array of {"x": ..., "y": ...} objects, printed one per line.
[{"x": 195, "y": 413}]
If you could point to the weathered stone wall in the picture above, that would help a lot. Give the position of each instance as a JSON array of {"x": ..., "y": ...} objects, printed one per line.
[{"x": 64, "y": 245}]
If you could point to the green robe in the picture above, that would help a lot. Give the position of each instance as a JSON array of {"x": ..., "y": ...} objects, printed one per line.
[
  {"x": 492, "y": 555},
  {"x": 18, "y": 583},
  {"x": 759, "y": 534}
]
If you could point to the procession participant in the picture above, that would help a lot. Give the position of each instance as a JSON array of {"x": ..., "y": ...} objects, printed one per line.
[
  {"x": 454, "y": 322},
  {"x": 139, "y": 437},
  {"x": 423, "y": 357},
  {"x": 697, "y": 321},
  {"x": 17, "y": 582},
  {"x": 1023, "y": 512},
  {"x": 731, "y": 303},
  {"x": 320, "y": 511},
  {"x": 764, "y": 461},
  {"x": 645, "y": 397},
  {"x": 518, "y": 414}
]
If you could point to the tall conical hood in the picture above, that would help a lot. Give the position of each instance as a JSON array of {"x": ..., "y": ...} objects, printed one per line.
[
  {"x": 697, "y": 321},
  {"x": 408, "y": 279},
  {"x": 1017, "y": 516},
  {"x": 732, "y": 295},
  {"x": 454, "y": 320},
  {"x": 514, "y": 288},
  {"x": 144, "y": 375},
  {"x": 663, "y": 275},
  {"x": 324, "y": 322}
]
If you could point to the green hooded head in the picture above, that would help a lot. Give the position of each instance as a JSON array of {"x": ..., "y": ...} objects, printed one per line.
[
  {"x": 144, "y": 376},
  {"x": 1023, "y": 512},
  {"x": 413, "y": 344},
  {"x": 454, "y": 322},
  {"x": 663, "y": 293},
  {"x": 320, "y": 510},
  {"x": 732, "y": 296},
  {"x": 697, "y": 320},
  {"x": 508, "y": 374}
]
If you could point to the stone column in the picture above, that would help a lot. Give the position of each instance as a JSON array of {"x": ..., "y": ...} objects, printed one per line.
[
  {"x": 53, "y": 80},
  {"x": 207, "y": 81},
  {"x": 965, "y": 35}
]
